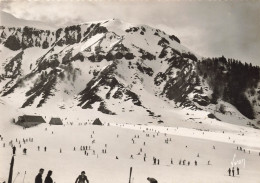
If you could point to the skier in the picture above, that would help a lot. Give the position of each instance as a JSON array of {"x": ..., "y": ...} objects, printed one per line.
[
  {"x": 158, "y": 161},
  {"x": 154, "y": 160},
  {"x": 229, "y": 171},
  {"x": 82, "y": 178},
  {"x": 38, "y": 178},
  {"x": 233, "y": 171},
  {"x": 237, "y": 171},
  {"x": 45, "y": 148},
  {"x": 48, "y": 178},
  {"x": 196, "y": 163},
  {"x": 152, "y": 180},
  {"x": 171, "y": 161},
  {"x": 24, "y": 151}
]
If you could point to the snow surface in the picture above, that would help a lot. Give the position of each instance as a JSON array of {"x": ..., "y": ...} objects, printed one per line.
[{"x": 100, "y": 167}]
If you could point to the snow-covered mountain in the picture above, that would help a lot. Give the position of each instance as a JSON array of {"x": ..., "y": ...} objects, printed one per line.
[
  {"x": 9, "y": 20},
  {"x": 119, "y": 68}
]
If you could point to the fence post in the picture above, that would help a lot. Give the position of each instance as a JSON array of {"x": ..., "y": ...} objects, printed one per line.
[
  {"x": 11, "y": 170},
  {"x": 130, "y": 175}
]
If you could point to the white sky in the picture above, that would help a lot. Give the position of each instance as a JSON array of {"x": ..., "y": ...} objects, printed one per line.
[{"x": 209, "y": 28}]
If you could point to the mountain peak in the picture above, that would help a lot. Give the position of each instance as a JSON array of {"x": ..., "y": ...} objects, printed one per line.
[{"x": 10, "y": 20}]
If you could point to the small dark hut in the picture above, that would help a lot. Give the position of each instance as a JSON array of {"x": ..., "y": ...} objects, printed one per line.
[
  {"x": 55, "y": 121},
  {"x": 29, "y": 121},
  {"x": 97, "y": 122}
]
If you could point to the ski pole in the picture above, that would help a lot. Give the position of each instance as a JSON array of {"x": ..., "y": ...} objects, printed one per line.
[
  {"x": 24, "y": 176},
  {"x": 16, "y": 176}
]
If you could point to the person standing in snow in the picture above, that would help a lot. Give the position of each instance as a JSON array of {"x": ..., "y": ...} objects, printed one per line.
[
  {"x": 152, "y": 180},
  {"x": 154, "y": 160},
  {"x": 48, "y": 178},
  {"x": 38, "y": 178},
  {"x": 24, "y": 151},
  {"x": 237, "y": 171},
  {"x": 233, "y": 171},
  {"x": 82, "y": 178},
  {"x": 229, "y": 171}
]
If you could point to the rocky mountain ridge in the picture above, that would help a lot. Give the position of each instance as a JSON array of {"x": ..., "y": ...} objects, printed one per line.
[{"x": 112, "y": 66}]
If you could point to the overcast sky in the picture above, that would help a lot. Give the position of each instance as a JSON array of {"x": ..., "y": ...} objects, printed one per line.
[{"x": 209, "y": 28}]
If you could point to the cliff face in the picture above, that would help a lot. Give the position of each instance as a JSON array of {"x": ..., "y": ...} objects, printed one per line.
[{"x": 109, "y": 64}]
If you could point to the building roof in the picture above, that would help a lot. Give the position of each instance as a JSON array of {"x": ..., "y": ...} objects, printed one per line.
[
  {"x": 56, "y": 121},
  {"x": 97, "y": 122},
  {"x": 29, "y": 118}
]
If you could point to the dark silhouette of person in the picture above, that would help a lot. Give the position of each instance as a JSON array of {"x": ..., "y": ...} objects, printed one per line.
[
  {"x": 24, "y": 151},
  {"x": 82, "y": 178},
  {"x": 237, "y": 171},
  {"x": 38, "y": 178},
  {"x": 229, "y": 171},
  {"x": 152, "y": 180},
  {"x": 233, "y": 171},
  {"x": 48, "y": 178},
  {"x": 195, "y": 163},
  {"x": 45, "y": 148},
  {"x": 154, "y": 160},
  {"x": 14, "y": 150}
]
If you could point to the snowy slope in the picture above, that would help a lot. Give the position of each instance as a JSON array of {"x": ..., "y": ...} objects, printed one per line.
[
  {"x": 110, "y": 66},
  {"x": 183, "y": 144}
]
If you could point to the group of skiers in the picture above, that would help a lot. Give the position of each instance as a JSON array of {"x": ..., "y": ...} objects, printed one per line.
[
  {"x": 233, "y": 171},
  {"x": 48, "y": 179},
  {"x": 82, "y": 178}
]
